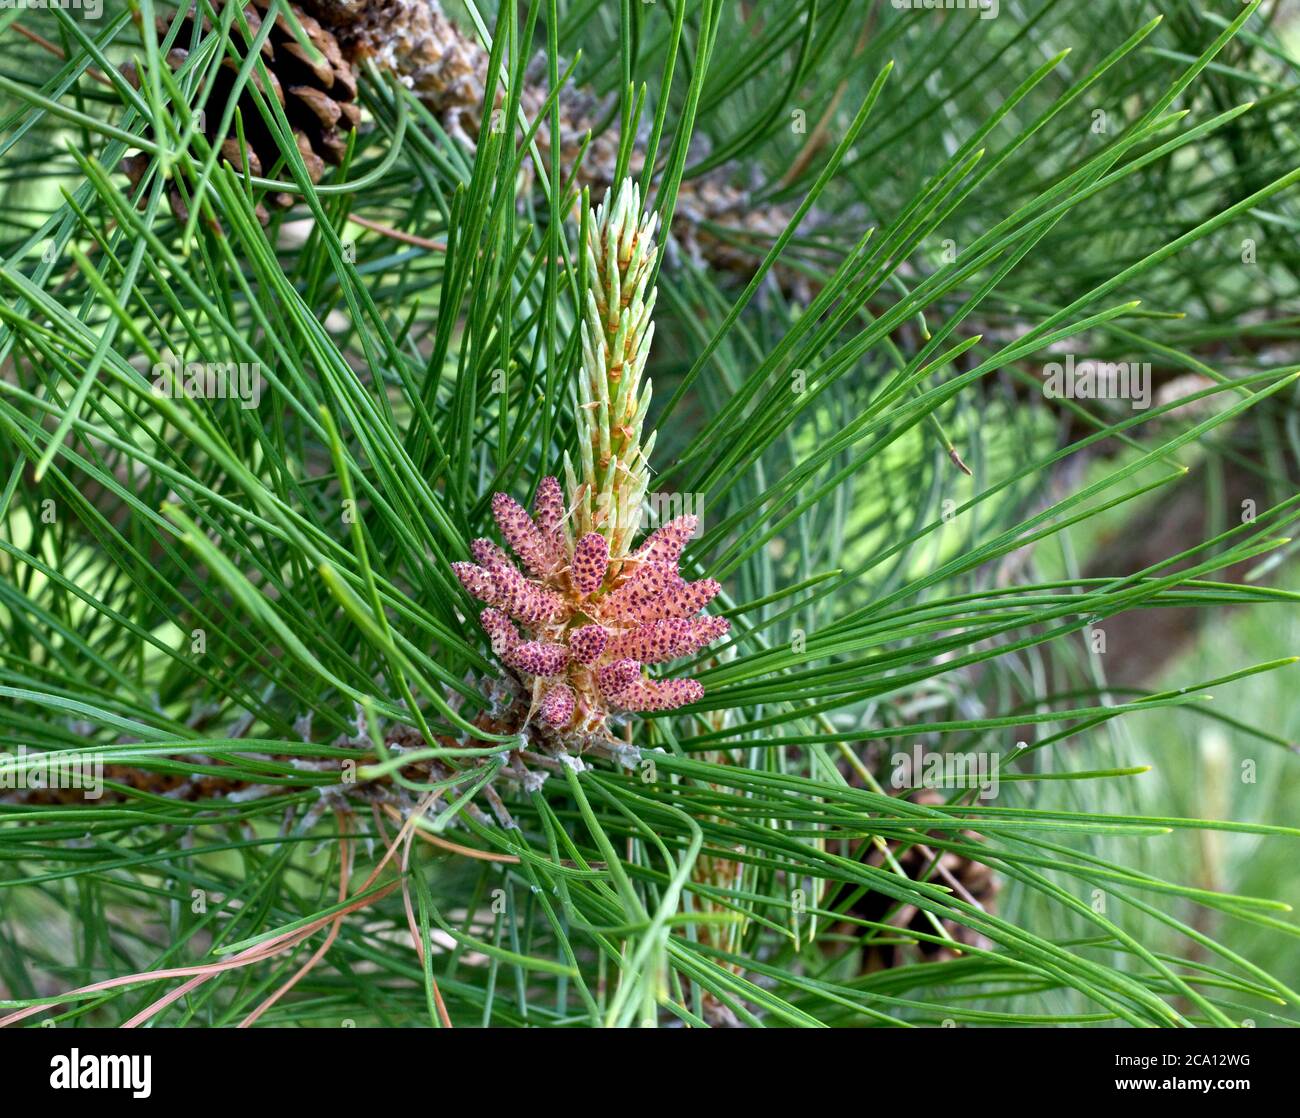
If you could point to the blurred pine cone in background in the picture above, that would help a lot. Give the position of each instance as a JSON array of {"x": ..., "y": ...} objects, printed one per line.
[{"x": 971, "y": 881}]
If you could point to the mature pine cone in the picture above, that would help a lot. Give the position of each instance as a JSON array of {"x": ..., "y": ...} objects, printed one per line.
[{"x": 319, "y": 100}]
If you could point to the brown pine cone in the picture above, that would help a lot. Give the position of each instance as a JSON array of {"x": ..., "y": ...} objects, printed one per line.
[{"x": 318, "y": 98}]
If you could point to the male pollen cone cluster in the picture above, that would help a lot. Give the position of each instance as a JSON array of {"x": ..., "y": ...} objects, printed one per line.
[
  {"x": 586, "y": 635},
  {"x": 592, "y": 614}
]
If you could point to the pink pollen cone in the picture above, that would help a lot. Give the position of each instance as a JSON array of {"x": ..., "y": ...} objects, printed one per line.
[
  {"x": 522, "y": 534},
  {"x": 590, "y": 561},
  {"x": 487, "y": 554},
  {"x": 558, "y": 705},
  {"x": 668, "y": 638},
  {"x": 659, "y": 694},
  {"x": 680, "y": 601},
  {"x": 524, "y": 600},
  {"x": 667, "y": 542},
  {"x": 539, "y": 658},
  {"x": 618, "y": 676},
  {"x": 477, "y": 581},
  {"x": 548, "y": 507},
  {"x": 587, "y": 643},
  {"x": 497, "y": 626}
]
